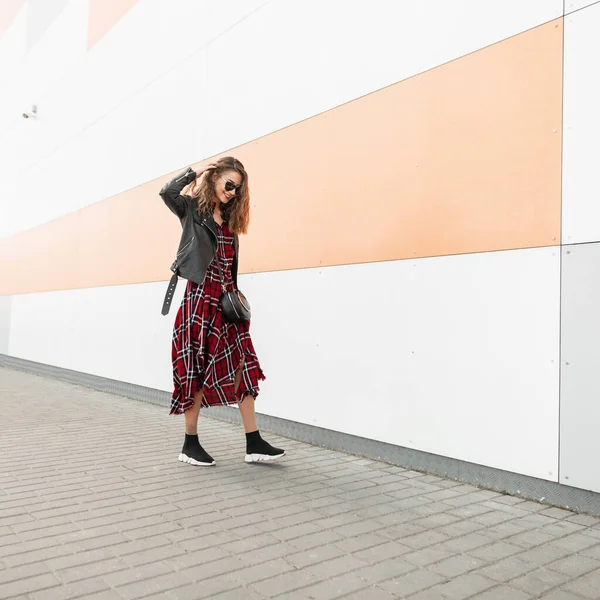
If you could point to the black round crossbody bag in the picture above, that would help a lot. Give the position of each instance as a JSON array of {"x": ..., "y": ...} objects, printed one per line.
[{"x": 234, "y": 304}]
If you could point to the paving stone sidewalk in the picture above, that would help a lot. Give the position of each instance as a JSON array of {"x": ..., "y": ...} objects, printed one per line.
[{"x": 94, "y": 504}]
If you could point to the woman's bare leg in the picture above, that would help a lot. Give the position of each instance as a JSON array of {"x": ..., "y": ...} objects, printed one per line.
[
  {"x": 247, "y": 403},
  {"x": 257, "y": 449},
  {"x": 191, "y": 415},
  {"x": 248, "y": 414}
]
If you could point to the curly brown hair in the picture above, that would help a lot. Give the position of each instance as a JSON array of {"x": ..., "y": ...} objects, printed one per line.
[{"x": 237, "y": 211}]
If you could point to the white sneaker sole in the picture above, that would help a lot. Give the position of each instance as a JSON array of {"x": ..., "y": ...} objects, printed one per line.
[
  {"x": 192, "y": 461},
  {"x": 262, "y": 457}
]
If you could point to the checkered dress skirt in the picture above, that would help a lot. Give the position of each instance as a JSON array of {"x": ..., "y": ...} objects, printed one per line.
[{"x": 207, "y": 350}]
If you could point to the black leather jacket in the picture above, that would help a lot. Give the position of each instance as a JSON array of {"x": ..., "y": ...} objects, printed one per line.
[{"x": 198, "y": 239}]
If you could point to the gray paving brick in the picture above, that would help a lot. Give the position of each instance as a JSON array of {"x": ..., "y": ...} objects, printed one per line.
[
  {"x": 493, "y": 518},
  {"x": 562, "y": 528},
  {"x": 39, "y": 523},
  {"x": 206, "y": 570},
  {"x": 237, "y": 594},
  {"x": 465, "y": 586},
  {"x": 456, "y": 565},
  {"x": 504, "y": 530},
  {"x": 265, "y": 570},
  {"x": 465, "y": 512},
  {"x": 314, "y": 556},
  {"x": 397, "y": 517},
  {"x": 427, "y": 556},
  {"x": 437, "y": 520},
  {"x": 358, "y": 528},
  {"x": 297, "y": 531},
  {"x": 424, "y": 539},
  {"x": 336, "y": 587},
  {"x": 574, "y": 565},
  {"x": 7, "y": 540},
  {"x": 313, "y": 540},
  {"x": 28, "y": 585},
  {"x": 502, "y": 592},
  {"x": 586, "y": 520},
  {"x": 381, "y": 552},
  {"x": 86, "y": 588},
  {"x": 91, "y": 569},
  {"x": 22, "y": 572},
  {"x": 23, "y": 556},
  {"x": 543, "y": 555},
  {"x": 586, "y": 586},
  {"x": 592, "y": 552},
  {"x": 496, "y": 551},
  {"x": 575, "y": 542},
  {"x": 286, "y": 582},
  {"x": 556, "y": 513},
  {"x": 302, "y": 516},
  {"x": 96, "y": 542},
  {"x": 142, "y": 589},
  {"x": 466, "y": 543},
  {"x": 251, "y": 544},
  {"x": 370, "y": 593},
  {"x": 335, "y": 566},
  {"x": 384, "y": 570},
  {"x": 411, "y": 583},
  {"x": 429, "y": 594},
  {"x": 461, "y": 528},
  {"x": 592, "y": 532},
  {"x": 401, "y": 531},
  {"x": 431, "y": 508},
  {"x": 508, "y": 568},
  {"x": 531, "y": 538},
  {"x": 146, "y": 571},
  {"x": 358, "y": 543},
  {"x": 560, "y": 595},
  {"x": 539, "y": 581},
  {"x": 200, "y": 542}
]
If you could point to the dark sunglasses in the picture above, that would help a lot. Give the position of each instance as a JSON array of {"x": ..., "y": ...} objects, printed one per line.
[{"x": 230, "y": 186}]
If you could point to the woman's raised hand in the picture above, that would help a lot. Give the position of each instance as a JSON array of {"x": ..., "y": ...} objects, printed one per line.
[{"x": 203, "y": 169}]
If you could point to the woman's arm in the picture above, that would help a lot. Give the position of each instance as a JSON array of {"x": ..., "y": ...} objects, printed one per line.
[{"x": 172, "y": 190}]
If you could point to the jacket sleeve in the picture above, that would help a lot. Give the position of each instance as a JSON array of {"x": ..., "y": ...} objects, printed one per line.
[{"x": 172, "y": 190}]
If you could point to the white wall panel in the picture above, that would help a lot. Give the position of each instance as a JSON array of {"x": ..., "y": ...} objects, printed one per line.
[
  {"x": 116, "y": 332},
  {"x": 581, "y": 177},
  {"x": 288, "y": 60},
  {"x": 580, "y": 380},
  {"x": 573, "y": 5},
  {"x": 40, "y": 15},
  {"x": 456, "y": 356},
  {"x": 13, "y": 44},
  {"x": 53, "y": 68}
]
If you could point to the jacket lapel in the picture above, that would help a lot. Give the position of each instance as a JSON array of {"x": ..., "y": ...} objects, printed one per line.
[{"x": 210, "y": 223}]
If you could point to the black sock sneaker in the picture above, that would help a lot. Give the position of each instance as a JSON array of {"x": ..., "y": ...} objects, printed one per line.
[
  {"x": 194, "y": 454},
  {"x": 257, "y": 450}
]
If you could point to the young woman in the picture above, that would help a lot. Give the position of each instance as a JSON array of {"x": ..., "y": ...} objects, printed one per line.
[{"x": 214, "y": 362}]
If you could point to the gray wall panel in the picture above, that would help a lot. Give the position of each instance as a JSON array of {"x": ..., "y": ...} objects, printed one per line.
[{"x": 580, "y": 367}]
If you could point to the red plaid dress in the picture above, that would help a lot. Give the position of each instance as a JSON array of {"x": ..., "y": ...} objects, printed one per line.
[{"x": 207, "y": 350}]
